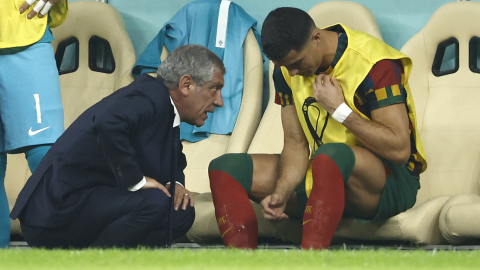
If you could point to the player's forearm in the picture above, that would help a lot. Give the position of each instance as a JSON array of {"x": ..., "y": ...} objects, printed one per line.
[
  {"x": 293, "y": 166},
  {"x": 388, "y": 142}
]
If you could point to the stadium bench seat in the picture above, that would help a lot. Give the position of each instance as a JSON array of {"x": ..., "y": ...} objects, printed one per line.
[
  {"x": 445, "y": 85},
  {"x": 451, "y": 125}
]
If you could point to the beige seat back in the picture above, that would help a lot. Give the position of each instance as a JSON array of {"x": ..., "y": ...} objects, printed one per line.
[
  {"x": 199, "y": 154},
  {"x": 269, "y": 136},
  {"x": 448, "y": 120},
  {"x": 354, "y": 15},
  {"x": 82, "y": 87},
  {"x": 447, "y": 106}
]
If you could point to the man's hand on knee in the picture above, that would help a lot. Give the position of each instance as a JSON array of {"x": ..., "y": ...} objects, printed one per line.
[
  {"x": 152, "y": 183},
  {"x": 182, "y": 197}
]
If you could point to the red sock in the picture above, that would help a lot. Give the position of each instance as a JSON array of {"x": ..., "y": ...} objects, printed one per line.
[
  {"x": 325, "y": 205},
  {"x": 235, "y": 215}
]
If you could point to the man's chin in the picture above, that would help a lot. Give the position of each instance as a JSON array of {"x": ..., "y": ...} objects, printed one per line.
[
  {"x": 199, "y": 123},
  {"x": 307, "y": 74}
]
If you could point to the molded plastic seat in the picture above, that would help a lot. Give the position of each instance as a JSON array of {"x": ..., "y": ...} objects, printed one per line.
[{"x": 447, "y": 112}]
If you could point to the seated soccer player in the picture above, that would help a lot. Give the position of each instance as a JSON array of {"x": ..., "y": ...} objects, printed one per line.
[{"x": 351, "y": 145}]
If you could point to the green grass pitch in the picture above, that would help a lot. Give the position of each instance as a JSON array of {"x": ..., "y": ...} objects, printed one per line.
[{"x": 236, "y": 259}]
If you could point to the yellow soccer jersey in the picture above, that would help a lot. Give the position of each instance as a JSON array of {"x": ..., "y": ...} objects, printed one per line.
[{"x": 16, "y": 30}]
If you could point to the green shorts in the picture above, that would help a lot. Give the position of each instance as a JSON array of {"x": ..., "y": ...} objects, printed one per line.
[{"x": 399, "y": 193}]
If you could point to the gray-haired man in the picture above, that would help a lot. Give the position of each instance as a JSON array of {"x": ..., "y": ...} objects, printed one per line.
[{"x": 104, "y": 183}]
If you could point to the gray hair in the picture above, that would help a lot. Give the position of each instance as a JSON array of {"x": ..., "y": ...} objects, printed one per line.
[{"x": 194, "y": 60}]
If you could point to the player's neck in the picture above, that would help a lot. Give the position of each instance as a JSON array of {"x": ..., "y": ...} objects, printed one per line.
[{"x": 330, "y": 44}]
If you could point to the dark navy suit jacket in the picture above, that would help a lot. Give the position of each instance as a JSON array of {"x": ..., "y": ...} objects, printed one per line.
[{"x": 116, "y": 142}]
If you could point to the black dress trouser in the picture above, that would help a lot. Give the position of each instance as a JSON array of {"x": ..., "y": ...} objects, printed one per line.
[{"x": 111, "y": 217}]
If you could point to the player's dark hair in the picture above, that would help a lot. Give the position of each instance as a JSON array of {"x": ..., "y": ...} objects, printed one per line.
[{"x": 285, "y": 29}]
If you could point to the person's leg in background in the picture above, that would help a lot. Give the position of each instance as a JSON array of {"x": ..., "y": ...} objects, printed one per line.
[
  {"x": 35, "y": 154},
  {"x": 5, "y": 222},
  {"x": 30, "y": 104}
]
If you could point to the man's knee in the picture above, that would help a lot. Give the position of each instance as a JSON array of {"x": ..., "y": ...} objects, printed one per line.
[
  {"x": 335, "y": 151},
  {"x": 238, "y": 166},
  {"x": 341, "y": 154},
  {"x": 154, "y": 205},
  {"x": 183, "y": 220}
]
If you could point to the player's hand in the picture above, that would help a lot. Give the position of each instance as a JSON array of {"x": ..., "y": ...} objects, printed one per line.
[
  {"x": 182, "y": 197},
  {"x": 41, "y": 7},
  {"x": 152, "y": 183},
  {"x": 273, "y": 206},
  {"x": 328, "y": 92}
]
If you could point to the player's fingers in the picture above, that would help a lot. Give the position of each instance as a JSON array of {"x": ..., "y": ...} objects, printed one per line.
[
  {"x": 45, "y": 9},
  {"x": 274, "y": 216},
  {"x": 38, "y": 6},
  {"x": 265, "y": 205},
  {"x": 327, "y": 80},
  {"x": 267, "y": 215},
  {"x": 269, "y": 211},
  {"x": 335, "y": 82},
  {"x": 26, "y": 5},
  {"x": 320, "y": 78}
]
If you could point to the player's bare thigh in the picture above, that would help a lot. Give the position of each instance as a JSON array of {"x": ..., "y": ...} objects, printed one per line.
[
  {"x": 265, "y": 170},
  {"x": 364, "y": 189},
  {"x": 264, "y": 175}
]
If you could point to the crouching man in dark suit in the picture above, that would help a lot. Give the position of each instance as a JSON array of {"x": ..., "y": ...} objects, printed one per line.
[{"x": 105, "y": 182}]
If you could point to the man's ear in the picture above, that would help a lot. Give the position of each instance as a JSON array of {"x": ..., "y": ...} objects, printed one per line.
[
  {"x": 316, "y": 36},
  {"x": 186, "y": 84}
]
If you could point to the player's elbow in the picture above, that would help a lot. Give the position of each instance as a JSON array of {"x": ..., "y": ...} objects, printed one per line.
[
  {"x": 401, "y": 159},
  {"x": 400, "y": 156}
]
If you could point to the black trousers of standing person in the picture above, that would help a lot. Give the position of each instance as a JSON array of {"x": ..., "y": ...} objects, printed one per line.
[{"x": 111, "y": 217}]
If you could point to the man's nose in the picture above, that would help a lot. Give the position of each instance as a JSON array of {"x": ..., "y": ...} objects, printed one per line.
[{"x": 218, "y": 101}]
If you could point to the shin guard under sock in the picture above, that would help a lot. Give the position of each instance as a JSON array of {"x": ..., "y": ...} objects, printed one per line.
[
  {"x": 331, "y": 169},
  {"x": 235, "y": 215}
]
